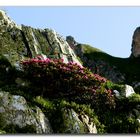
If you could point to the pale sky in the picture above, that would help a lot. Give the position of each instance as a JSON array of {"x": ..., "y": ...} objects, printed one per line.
[{"x": 107, "y": 28}]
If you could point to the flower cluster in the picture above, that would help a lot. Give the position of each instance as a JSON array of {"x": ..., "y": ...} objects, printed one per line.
[{"x": 53, "y": 78}]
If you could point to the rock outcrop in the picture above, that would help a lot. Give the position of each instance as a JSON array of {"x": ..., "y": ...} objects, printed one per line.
[
  {"x": 16, "y": 116},
  {"x": 136, "y": 43},
  {"x": 71, "y": 41},
  {"x": 74, "y": 125},
  {"x": 126, "y": 91},
  {"x": 20, "y": 42}
]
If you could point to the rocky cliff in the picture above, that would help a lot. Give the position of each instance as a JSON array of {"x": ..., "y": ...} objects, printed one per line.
[
  {"x": 49, "y": 85},
  {"x": 19, "y": 42}
]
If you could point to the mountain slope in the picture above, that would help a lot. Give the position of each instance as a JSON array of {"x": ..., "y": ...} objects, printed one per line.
[
  {"x": 49, "y": 85},
  {"x": 118, "y": 70}
]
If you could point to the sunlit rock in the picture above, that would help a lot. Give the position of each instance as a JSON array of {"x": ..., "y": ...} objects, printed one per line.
[{"x": 15, "y": 112}]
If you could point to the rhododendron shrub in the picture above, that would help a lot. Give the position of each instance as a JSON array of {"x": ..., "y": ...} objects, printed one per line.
[{"x": 52, "y": 78}]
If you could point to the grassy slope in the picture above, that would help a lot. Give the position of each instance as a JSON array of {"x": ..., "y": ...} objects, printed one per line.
[{"x": 129, "y": 66}]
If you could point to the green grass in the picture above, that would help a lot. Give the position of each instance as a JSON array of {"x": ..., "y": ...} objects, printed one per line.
[{"x": 88, "y": 49}]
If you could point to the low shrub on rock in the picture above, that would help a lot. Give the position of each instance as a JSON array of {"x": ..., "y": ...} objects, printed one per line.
[{"x": 53, "y": 79}]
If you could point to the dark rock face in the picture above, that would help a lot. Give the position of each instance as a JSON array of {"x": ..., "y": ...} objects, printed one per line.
[
  {"x": 20, "y": 42},
  {"x": 136, "y": 43},
  {"x": 105, "y": 69}
]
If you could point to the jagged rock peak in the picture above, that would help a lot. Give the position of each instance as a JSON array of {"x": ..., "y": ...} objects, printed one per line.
[
  {"x": 136, "y": 43},
  {"x": 5, "y": 20}
]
